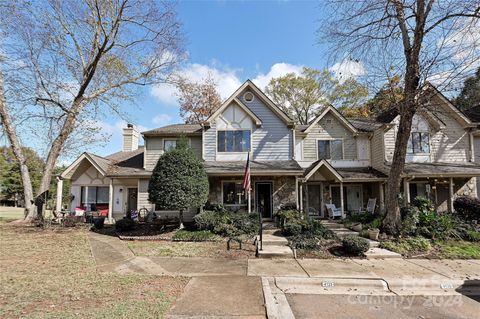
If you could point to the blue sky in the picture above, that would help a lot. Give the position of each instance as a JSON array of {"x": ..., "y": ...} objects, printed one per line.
[{"x": 234, "y": 41}]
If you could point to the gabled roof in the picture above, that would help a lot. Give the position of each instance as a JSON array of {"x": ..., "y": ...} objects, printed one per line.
[
  {"x": 336, "y": 114},
  {"x": 310, "y": 171},
  {"x": 250, "y": 85},
  {"x": 120, "y": 164},
  {"x": 389, "y": 115}
]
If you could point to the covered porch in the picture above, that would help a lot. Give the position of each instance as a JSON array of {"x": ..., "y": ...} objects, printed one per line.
[
  {"x": 440, "y": 182},
  {"x": 348, "y": 189}
]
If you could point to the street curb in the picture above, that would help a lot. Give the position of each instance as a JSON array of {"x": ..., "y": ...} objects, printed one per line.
[
  {"x": 277, "y": 305},
  {"x": 434, "y": 286},
  {"x": 321, "y": 286}
]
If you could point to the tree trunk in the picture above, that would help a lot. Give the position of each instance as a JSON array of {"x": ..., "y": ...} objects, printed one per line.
[
  {"x": 392, "y": 220},
  {"x": 18, "y": 152}
]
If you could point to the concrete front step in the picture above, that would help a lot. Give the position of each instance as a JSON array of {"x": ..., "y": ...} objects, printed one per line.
[
  {"x": 273, "y": 251},
  {"x": 272, "y": 240},
  {"x": 332, "y": 225}
]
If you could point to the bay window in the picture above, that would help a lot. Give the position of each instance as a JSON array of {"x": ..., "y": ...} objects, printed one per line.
[{"x": 233, "y": 141}]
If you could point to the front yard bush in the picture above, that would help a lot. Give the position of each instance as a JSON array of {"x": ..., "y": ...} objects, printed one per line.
[
  {"x": 305, "y": 241},
  {"x": 125, "y": 224},
  {"x": 354, "y": 245},
  {"x": 194, "y": 235},
  {"x": 292, "y": 229},
  {"x": 467, "y": 208},
  {"x": 472, "y": 235},
  {"x": 228, "y": 224}
]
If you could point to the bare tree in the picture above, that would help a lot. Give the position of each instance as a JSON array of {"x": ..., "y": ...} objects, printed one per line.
[
  {"x": 197, "y": 100},
  {"x": 420, "y": 39},
  {"x": 68, "y": 60}
]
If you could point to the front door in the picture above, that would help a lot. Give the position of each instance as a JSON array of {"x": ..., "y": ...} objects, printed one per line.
[
  {"x": 132, "y": 199},
  {"x": 263, "y": 200},
  {"x": 354, "y": 198}
]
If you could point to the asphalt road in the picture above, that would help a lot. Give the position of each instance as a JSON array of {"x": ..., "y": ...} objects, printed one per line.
[{"x": 389, "y": 307}]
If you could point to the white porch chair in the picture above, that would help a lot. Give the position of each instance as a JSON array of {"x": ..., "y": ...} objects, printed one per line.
[
  {"x": 333, "y": 211},
  {"x": 372, "y": 202}
]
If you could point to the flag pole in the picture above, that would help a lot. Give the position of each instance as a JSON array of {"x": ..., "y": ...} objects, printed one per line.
[{"x": 249, "y": 198}]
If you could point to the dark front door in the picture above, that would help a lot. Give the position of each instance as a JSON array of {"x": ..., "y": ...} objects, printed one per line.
[
  {"x": 264, "y": 199},
  {"x": 132, "y": 199}
]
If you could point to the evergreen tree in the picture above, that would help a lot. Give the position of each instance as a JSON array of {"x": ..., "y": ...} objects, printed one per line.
[
  {"x": 179, "y": 180},
  {"x": 470, "y": 94}
]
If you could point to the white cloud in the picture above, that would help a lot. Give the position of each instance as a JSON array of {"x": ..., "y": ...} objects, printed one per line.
[
  {"x": 226, "y": 79},
  {"x": 347, "y": 69},
  {"x": 277, "y": 70},
  {"x": 162, "y": 119}
]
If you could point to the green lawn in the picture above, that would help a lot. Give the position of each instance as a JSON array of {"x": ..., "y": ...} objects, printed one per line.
[
  {"x": 459, "y": 249},
  {"x": 51, "y": 274},
  {"x": 13, "y": 213}
]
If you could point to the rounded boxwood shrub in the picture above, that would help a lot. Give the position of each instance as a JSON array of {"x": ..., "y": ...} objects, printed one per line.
[
  {"x": 468, "y": 208},
  {"x": 354, "y": 245},
  {"x": 305, "y": 241},
  {"x": 292, "y": 229},
  {"x": 125, "y": 224}
]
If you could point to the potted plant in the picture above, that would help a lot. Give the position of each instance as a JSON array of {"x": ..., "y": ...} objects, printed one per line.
[
  {"x": 373, "y": 233},
  {"x": 357, "y": 227}
]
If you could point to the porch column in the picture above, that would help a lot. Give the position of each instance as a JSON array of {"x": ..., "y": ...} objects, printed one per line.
[
  {"x": 306, "y": 197},
  {"x": 301, "y": 197},
  {"x": 341, "y": 200},
  {"x": 450, "y": 195},
  {"x": 110, "y": 201},
  {"x": 406, "y": 190},
  {"x": 382, "y": 198},
  {"x": 58, "y": 207},
  {"x": 296, "y": 193},
  {"x": 322, "y": 201}
]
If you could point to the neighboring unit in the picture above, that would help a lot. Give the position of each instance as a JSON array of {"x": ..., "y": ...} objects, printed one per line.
[{"x": 330, "y": 167}]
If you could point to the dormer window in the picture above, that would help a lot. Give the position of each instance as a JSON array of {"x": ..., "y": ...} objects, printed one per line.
[
  {"x": 419, "y": 143},
  {"x": 233, "y": 141}
]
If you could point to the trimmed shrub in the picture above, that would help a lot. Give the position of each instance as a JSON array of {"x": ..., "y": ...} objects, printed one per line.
[
  {"x": 316, "y": 228},
  {"x": 468, "y": 208},
  {"x": 196, "y": 235},
  {"x": 125, "y": 224},
  {"x": 292, "y": 229},
  {"x": 354, "y": 245},
  {"x": 305, "y": 241},
  {"x": 209, "y": 219}
]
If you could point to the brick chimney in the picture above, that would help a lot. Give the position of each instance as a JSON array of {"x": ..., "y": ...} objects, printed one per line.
[{"x": 130, "y": 138}]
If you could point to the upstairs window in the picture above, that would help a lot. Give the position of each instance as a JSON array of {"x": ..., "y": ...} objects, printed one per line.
[
  {"x": 330, "y": 149},
  {"x": 169, "y": 145},
  {"x": 233, "y": 141},
  {"x": 419, "y": 142}
]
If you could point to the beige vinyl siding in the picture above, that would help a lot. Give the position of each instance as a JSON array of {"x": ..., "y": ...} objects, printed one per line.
[
  {"x": 449, "y": 144},
  {"x": 376, "y": 149},
  {"x": 142, "y": 199},
  {"x": 333, "y": 130},
  {"x": 154, "y": 149},
  {"x": 196, "y": 145}
]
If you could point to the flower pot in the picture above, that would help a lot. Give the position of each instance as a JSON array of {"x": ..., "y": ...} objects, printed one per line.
[
  {"x": 373, "y": 234},
  {"x": 357, "y": 227}
]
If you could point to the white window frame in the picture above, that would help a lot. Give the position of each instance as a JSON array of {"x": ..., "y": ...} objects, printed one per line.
[
  {"x": 169, "y": 140},
  {"x": 233, "y": 130},
  {"x": 331, "y": 139}
]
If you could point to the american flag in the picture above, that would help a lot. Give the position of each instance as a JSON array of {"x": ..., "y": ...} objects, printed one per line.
[{"x": 246, "y": 177}]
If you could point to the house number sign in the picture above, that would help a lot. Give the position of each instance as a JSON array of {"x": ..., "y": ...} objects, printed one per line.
[
  {"x": 446, "y": 285},
  {"x": 328, "y": 284}
]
